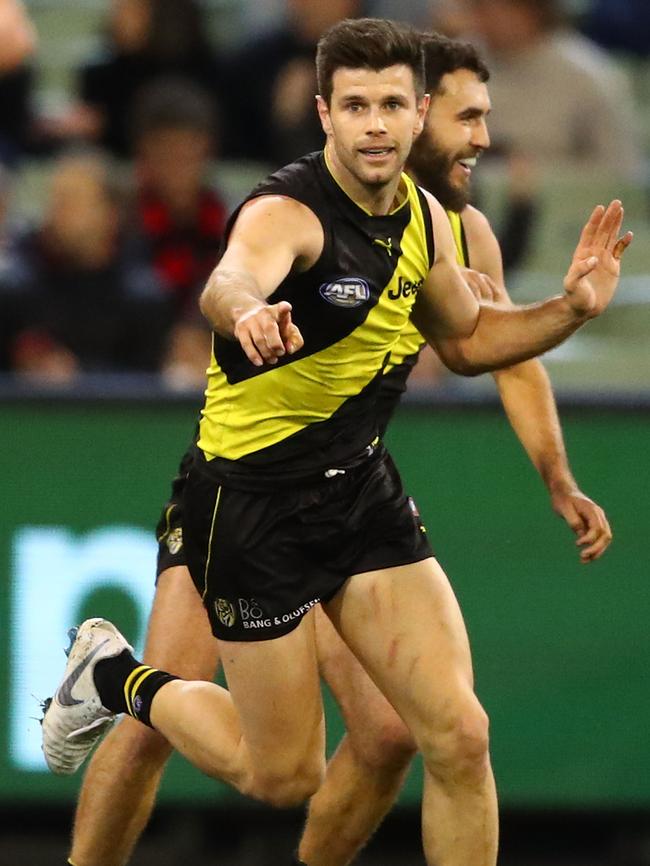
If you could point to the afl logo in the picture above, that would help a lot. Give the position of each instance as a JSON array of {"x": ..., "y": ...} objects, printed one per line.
[{"x": 346, "y": 292}]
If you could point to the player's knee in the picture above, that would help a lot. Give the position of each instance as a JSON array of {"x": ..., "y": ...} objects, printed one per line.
[
  {"x": 457, "y": 749},
  {"x": 285, "y": 790},
  {"x": 387, "y": 745}
]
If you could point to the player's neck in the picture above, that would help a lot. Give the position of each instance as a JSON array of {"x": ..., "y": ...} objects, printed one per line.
[{"x": 375, "y": 200}]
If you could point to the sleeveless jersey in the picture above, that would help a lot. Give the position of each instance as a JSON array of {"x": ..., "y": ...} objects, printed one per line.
[
  {"x": 316, "y": 409},
  {"x": 411, "y": 342}
]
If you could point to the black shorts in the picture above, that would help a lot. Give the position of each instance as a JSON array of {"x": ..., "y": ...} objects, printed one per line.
[
  {"x": 169, "y": 531},
  {"x": 262, "y": 559}
]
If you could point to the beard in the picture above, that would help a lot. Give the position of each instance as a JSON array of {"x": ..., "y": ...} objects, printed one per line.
[{"x": 432, "y": 168}]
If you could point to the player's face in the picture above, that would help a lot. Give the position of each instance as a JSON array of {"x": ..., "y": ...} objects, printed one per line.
[
  {"x": 371, "y": 122},
  {"x": 455, "y": 134}
]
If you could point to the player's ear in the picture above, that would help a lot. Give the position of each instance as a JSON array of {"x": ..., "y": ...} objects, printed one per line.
[
  {"x": 324, "y": 114},
  {"x": 423, "y": 108}
]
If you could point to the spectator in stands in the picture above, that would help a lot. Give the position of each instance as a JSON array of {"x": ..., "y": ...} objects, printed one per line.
[
  {"x": 146, "y": 39},
  {"x": 11, "y": 270},
  {"x": 82, "y": 306},
  {"x": 557, "y": 98},
  {"x": 415, "y": 12},
  {"x": 274, "y": 78},
  {"x": 17, "y": 44},
  {"x": 178, "y": 217},
  {"x": 620, "y": 26},
  {"x": 17, "y": 34},
  {"x": 450, "y": 17}
]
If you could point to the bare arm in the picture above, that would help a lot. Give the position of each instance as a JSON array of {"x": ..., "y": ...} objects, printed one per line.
[
  {"x": 488, "y": 336},
  {"x": 528, "y": 400},
  {"x": 272, "y": 236}
]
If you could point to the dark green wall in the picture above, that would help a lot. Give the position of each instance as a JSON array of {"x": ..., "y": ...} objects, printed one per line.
[{"x": 561, "y": 650}]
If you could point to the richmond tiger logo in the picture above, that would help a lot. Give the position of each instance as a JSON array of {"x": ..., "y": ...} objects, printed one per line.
[
  {"x": 174, "y": 540},
  {"x": 225, "y": 612}
]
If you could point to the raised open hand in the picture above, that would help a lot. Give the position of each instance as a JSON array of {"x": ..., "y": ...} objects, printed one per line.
[{"x": 592, "y": 278}]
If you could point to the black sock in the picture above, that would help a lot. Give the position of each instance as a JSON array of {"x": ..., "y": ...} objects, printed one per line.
[
  {"x": 110, "y": 676},
  {"x": 127, "y": 686}
]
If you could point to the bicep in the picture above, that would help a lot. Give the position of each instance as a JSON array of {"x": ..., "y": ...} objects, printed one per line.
[
  {"x": 270, "y": 236},
  {"x": 446, "y": 306}
]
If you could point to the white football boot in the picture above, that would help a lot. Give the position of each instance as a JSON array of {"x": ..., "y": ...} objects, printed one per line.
[{"x": 74, "y": 718}]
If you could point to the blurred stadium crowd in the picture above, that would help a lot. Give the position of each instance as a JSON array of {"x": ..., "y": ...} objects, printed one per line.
[{"x": 129, "y": 128}]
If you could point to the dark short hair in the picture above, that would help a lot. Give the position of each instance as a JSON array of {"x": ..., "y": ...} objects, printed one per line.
[
  {"x": 368, "y": 43},
  {"x": 443, "y": 56},
  {"x": 172, "y": 103}
]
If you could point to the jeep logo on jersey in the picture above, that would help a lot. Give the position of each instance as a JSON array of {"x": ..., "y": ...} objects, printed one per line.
[
  {"x": 346, "y": 292},
  {"x": 405, "y": 288}
]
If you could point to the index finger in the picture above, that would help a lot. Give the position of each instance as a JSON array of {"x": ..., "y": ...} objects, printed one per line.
[{"x": 272, "y": 337}]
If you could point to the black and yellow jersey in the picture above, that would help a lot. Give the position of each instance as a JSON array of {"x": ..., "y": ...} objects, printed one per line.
[
  {"x": 405, "y": 354},
  {"x": 316, "y": 409}
]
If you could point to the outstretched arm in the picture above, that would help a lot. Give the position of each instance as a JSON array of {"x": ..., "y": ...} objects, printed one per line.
[
  {"x": 473, "y": 338},
  {"x": 272, "y": 236},
  {"x": 528, "y": 400}
]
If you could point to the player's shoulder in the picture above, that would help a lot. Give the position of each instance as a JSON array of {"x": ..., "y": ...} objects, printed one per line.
[
  {"x": 435, "y": 207},
  {"x": 475, "y": 219},
  {"x": 276, "y": 204},
  {"x": 273, "y": 215},
  {"x": 302, "y": 174},
  {"x": 429, "y": 196},
  {"x": 477, "y": 227},
  {"x": 296, "y": 187},
  {"x": 482, "y": 243}
]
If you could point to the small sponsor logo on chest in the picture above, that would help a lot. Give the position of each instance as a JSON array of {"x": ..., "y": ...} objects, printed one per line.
[
  {"x": 405, "y": 288},
  {"x": 346, "y": 292}
]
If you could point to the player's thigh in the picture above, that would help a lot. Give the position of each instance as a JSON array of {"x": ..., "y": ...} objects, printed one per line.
[
  {"x": 179, "y": 638},
  {"x": 376, "y": 731},
  {"x": 276, "y": 690},
  {"x": 405, "y": 626}
]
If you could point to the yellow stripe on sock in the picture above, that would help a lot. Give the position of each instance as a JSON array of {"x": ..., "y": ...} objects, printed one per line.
[
  {"x": 137, "y": 684},
  {"x": 128, "y": 682}
]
